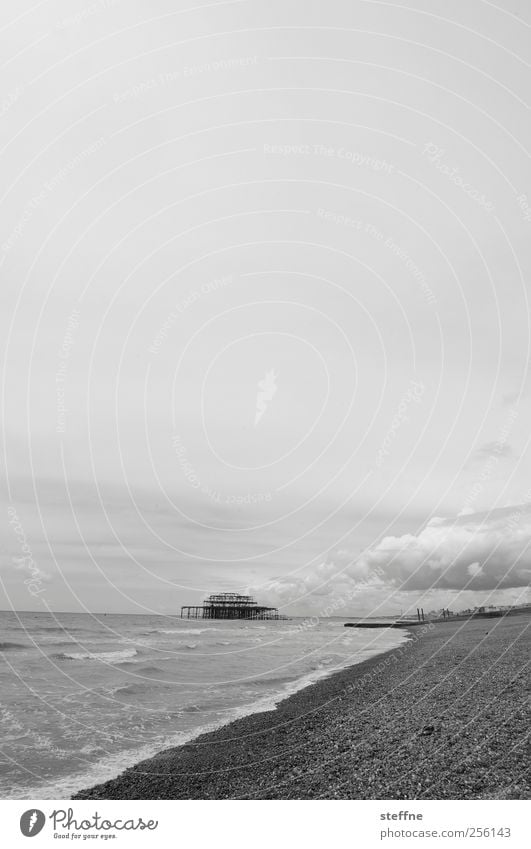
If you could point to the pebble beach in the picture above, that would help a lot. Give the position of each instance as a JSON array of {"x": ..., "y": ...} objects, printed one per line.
[{"x": 444, "y": 716}]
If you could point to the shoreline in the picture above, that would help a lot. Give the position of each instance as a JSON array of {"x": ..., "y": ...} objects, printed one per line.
[
  {"x": 440, "y": 716},
  {"x": 112, "y": 767}
]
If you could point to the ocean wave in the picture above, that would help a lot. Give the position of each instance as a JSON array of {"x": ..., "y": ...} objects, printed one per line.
[
  {"x": 213, "y": 710},
  {"x": 106, "y": 656},
  {"x": 129, "y": 690},
  {"x": 11, "y": 724},
  {"x": 147, "y": 670},
  {"x": 10, "y": 646},
  {"x": 264, "y": 683},
  {"x": 209, "y": 629},
  {"x": 66, "y": 629}
]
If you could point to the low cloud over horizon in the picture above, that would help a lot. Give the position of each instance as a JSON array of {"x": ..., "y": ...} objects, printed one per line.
[{"x": 480, "y": 553}]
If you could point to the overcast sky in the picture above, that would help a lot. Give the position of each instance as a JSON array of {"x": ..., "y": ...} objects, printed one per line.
[{"x": 265, "y": 320}]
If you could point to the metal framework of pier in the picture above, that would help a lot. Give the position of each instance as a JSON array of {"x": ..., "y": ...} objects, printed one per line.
[{"x": 229, "y": 606}]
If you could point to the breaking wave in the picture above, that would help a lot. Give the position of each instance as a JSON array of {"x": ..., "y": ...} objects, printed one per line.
[{"x": 106, "y": 656}]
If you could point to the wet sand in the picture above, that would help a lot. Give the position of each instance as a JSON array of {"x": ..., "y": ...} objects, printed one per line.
[{"x": 445, "y": 716}]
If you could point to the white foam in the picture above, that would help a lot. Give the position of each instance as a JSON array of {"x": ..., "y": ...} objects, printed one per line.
[
  {"x": 207, "y": 630},
  {"x": 113, "y": 765},
  {"x": 109, "y": 656}
]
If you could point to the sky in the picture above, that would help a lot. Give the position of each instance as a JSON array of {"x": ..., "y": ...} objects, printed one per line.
[{"x": 264, "y": 304}]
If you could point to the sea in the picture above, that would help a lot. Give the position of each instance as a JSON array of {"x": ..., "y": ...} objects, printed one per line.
[{"x": 84, "y": 696}]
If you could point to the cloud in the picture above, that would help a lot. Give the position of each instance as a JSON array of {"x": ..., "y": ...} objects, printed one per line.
[
  {"x": 441, "y": 555},
  {"x": 479, "y": 552}
]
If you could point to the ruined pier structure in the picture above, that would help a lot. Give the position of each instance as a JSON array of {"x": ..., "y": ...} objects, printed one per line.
[{"x": 229, "y": 606}]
